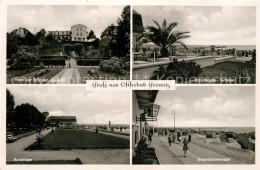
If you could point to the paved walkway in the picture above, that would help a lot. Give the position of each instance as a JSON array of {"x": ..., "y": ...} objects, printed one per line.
[
  {"x": 87, "y": 156},
  {"x": 68, "y": 75},
  {"x": 174, "y": 154}
]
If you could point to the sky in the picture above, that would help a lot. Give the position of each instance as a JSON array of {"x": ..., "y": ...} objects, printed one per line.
[
  {"x": 207, "y": 107},
  {"x": 103, "y": 106},
  {"x": 218, "y": 25},
  {"x": 61, "y": 18}
]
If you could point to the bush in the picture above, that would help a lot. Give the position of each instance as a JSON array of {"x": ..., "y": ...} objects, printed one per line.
[
  {"x": 39, "y": 138},
  {"x": 115, "y": 65},
  {"x": 22, "y": 59},
  {"x": 143, "y": 154},
  {"x": 41, "y": 72},
  {"x": 92, "y": 73},
  {"x": 178, "y": 70}
]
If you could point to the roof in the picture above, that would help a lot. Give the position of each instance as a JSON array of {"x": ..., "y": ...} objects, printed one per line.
[
  {"x": 145, "y": 97},
  {"x": 79, "y": 25},
  {"x": 137, "y": 22},
  {"x": 62, "y": 118}
]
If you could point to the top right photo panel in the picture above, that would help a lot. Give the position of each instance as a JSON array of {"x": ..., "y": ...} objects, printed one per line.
[{"x": 194, "y": 44}]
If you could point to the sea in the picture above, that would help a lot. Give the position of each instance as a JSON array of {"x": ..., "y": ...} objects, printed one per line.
[
  {"x": 227, "y": 129},
  {"x": 237, "y": 47}
]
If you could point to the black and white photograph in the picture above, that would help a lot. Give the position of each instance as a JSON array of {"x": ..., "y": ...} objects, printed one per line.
[
  {"x": 67, "y": 125},
  {"x": 58, "y": 44},
  {"x": 194, "y": 125},
  {"x": 195, "y": 44}
]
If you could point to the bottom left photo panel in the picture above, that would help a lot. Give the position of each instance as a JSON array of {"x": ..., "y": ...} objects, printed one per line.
[{"x": 67, "y": 125}]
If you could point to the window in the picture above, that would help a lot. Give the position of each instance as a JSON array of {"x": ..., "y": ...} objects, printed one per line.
[
  {"x": 80, "y": 29},
  {"x": 77, "y": 34},
  {"x": 81, "y": 34}
]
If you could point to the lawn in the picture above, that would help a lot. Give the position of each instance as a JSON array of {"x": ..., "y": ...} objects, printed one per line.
[
  {"x": 226, "y": 69},
  {"x": 26, "y": 77},
  {"x": 83, "y": 71},
  {"x": 20, "y": 72},
  {"x": 79, "y": 139}
]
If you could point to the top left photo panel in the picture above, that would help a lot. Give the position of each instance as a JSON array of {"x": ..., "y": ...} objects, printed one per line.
[{"x": 54, "y": 44}]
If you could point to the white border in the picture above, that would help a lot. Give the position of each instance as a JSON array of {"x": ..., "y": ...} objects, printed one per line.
[{"x": 119, "y": 2}]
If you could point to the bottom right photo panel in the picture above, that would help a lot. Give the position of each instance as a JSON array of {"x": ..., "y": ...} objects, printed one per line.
[{"x": 194, "y": 125}]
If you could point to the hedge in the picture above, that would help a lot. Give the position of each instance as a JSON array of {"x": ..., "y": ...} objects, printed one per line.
[
  {"x": 56, "y": 57},
  {"x": 88, "y": 62},
  {"x": 46, "y": 62}
]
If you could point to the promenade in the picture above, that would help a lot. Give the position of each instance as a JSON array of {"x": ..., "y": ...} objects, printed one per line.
[{"x": 195, "y": 154}]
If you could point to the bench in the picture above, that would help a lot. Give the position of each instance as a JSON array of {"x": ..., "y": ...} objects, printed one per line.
[{"x": 10, "y": 138}]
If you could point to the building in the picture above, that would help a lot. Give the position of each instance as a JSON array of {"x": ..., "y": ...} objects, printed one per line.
[
  {"x": 138, "y": 30},
  {"x": 60, "y": 35},
  {"x": 140, "y": 99},
  {"x": 21, "y": 32},
  {"x": 79, "y": 33},
  {"x": 63, "y": 120}
]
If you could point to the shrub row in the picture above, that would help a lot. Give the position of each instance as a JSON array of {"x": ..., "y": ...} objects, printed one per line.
[
  {"x": 88, "y": 62},
  {"x": 60, "y": 62}
]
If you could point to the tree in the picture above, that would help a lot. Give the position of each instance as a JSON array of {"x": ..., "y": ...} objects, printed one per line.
[
  {"x": 41, "y": 33},
  {"x": 121, "y": 45},
  {"x": 27, "y": 115},
  {"x": 164, "y": 36},
  {"x": 30, "y": 39},
  {"x": 10, "y": 103},
  {"x": 13, "y": 43},
  {"x": 91, "y": 35},
  {"x": 78, "y": 48}
]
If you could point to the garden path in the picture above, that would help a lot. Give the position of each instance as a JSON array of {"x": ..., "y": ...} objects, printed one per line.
[{"x": 67, "y": 75}]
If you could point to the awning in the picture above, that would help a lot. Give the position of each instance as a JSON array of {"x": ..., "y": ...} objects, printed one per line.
[{"x": 145, "y": 97}]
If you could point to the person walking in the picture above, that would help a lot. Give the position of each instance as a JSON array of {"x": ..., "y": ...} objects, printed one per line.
[
  {"x": 189, "y": 139},
  {"x": 170, "y": 140},
  {"x": 150, "y": 138},
  {"x": 185, "y": 146},
  {"x": 178, "y": 136}
]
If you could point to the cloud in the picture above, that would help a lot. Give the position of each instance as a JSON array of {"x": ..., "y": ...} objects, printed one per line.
[
  {"x": 62, "y": 18},
  {"x": 208, "y": 106},
  {"x": 220, "y": 25},
  {"x": 86, "y": 105}
]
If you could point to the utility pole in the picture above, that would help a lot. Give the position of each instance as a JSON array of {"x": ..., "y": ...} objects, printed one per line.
[{"x": 174, "y": 120}]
